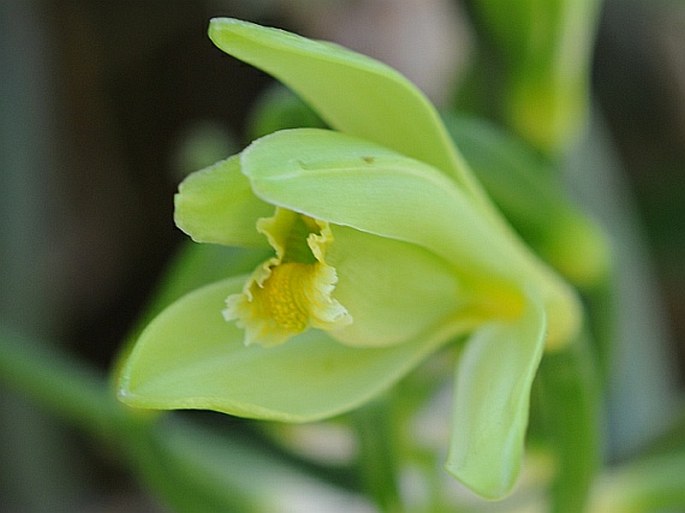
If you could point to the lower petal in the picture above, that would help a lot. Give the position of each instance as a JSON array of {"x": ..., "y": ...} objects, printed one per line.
[
  {"x": 494, "y": 378},
  {"x": 190, "y": 358}
]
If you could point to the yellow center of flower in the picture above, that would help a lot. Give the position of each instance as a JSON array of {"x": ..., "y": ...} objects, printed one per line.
[
  {"x": 283, "y": 296},
  {"x": 292, "y": 291}
]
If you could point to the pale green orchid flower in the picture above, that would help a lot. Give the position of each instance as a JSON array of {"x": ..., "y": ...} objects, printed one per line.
[{"x": 383, "y": 249}]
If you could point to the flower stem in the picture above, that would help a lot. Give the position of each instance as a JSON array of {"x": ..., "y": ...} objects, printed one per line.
[
  {"x": 378, "y": 458},
  {"x": 64, "y": 387}
]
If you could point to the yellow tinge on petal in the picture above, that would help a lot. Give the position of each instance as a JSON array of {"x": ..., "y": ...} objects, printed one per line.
[{"x": 291, "y": 291}]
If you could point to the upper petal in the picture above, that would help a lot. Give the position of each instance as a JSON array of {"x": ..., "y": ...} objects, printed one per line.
[
  {"x": 348, "y": 181},
  {"x": 353, "y": 93},
  {"x": 217, "y": 205}
]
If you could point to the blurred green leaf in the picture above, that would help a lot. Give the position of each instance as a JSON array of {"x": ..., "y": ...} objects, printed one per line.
[
  {"x": 278, "y": 108},
  {"x": 566, "y": 400},
  {"x": 650, "y": 485},
  {"x": 545, "y": 48},
  {"x": 528, "y": 190}
]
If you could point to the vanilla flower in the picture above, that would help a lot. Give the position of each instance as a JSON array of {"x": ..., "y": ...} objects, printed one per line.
[{"x": 383, "y": 249}]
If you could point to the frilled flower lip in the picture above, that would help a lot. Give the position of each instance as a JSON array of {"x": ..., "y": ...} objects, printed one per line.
[{"x": 291, "y": 291}]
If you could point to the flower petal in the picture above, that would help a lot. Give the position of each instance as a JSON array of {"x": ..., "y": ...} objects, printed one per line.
[
  {"x": 190, "y": 358},
  {"x": 393, "y": 290},
  {"x": 348, "y": 181},
  {"x": 353, "y": 93},
  {"x": 217, "y": 205},
  {"x": 494, "y": 378}
]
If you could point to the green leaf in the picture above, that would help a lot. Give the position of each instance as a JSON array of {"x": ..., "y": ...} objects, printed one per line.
[
  {"x": 217, "y": 205},
  {"x": 352, "y": 93},
  {"x": 189, "y": 357},
  {"x": 491, "y": 403}
]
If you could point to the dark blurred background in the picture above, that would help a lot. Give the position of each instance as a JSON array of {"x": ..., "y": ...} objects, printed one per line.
[
  {"x": 103, "y": 102},
  {"x": 639, "y": 82}
]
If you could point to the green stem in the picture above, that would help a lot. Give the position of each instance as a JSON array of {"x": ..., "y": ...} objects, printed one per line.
[
  {"x": 66, "y": 388},
  {"x": 568, "y": 395},
  {"x": 193, "y": 470},
  {"x": 378, "y": 458}
]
